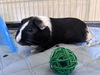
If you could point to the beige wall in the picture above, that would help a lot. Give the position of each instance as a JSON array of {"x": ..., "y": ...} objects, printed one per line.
[{"x": 15, "y": 10}]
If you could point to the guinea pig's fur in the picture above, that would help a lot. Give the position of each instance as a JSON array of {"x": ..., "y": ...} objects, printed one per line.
[{"x": 46, "y": 32}]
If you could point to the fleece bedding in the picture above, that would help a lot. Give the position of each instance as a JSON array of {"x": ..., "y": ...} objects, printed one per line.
[{"x": 25, "y": 63}]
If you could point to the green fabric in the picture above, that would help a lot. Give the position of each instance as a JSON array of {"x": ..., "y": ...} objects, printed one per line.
[{"x": 63, "y": 61}]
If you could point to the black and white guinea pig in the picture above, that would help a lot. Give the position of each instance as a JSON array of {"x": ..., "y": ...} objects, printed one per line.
[{"x": 46, "y": 32}]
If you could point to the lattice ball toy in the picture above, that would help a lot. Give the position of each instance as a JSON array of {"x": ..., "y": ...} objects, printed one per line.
[{"x": 63, "y": 61}]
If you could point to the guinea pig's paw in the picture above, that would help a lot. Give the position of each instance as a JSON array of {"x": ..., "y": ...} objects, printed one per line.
[
  {"x": 39, "y": 49},
  {"x": 57, "y": 45},
  {"x": 32, "y": 51}
]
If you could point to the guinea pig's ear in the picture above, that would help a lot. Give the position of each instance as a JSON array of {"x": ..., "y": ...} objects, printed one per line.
[
  {"x": 25, "y": 20},
  {"x": 39, "y": 24}
]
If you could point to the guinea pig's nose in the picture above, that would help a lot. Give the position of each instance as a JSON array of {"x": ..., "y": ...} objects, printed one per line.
[{"x": 25, "y": 43}]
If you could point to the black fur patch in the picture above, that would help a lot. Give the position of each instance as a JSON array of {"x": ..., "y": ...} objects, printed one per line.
[{"x": 68, "y": 30}]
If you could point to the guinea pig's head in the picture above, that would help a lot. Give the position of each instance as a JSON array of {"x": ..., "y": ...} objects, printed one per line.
[{"x": 30, "y": 31}]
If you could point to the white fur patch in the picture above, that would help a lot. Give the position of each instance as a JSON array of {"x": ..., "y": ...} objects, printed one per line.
[
  {"x": 18, "y": 38},
  {"x": 46, "y": 21},
  {"x": 89, "y": 35}
]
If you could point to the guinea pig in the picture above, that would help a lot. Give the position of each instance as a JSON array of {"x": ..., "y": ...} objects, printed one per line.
[{"x": 45, "y": 32}]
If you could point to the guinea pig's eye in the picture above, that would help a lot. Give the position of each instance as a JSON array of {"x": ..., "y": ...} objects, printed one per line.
[{"x": 29, "y": 30}]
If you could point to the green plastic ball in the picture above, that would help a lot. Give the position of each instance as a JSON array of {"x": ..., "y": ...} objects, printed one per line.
[{"x": 63, "y": 61}]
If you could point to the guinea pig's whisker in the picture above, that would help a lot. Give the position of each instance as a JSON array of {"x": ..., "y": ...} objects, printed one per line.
[{"x": 29, "y": 42}]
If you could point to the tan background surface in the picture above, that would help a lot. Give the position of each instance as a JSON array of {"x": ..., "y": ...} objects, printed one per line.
[{"x": 15, "y": 10}]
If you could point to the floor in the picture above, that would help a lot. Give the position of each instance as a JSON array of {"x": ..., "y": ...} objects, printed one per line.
[{"x": 25, "y": 63}]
